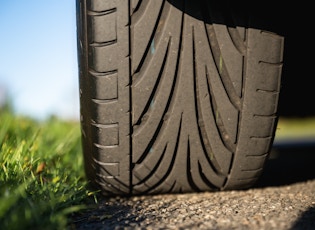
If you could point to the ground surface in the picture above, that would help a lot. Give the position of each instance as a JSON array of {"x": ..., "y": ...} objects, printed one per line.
[{"x": 283, "y": 199}]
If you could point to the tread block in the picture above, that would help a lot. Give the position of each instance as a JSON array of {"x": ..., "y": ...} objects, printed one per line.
[
  {"x": 106, "y": 87},
  {"x": 105, "y": 58},
  {"x": 105, "y": 113},
  {"x": 101, "y": 5},
  {"x": 106, "y": 135},
  {"x": 109, "y": 170},
  {"x": 104, "y": 28}
]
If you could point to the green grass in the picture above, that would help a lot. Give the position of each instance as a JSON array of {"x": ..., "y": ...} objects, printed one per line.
[{"x": 42, "y": 177}]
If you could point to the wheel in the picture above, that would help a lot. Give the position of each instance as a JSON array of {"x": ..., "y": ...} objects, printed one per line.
[{"x": 176, "y": 96}]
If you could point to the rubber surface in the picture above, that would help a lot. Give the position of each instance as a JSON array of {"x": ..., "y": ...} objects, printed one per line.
[{"x": 176, "y": 96}]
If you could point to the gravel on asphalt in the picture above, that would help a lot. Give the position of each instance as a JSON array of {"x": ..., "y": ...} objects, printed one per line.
[{"x": 281, "y": 208}]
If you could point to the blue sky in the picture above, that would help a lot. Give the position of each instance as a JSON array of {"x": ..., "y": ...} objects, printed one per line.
[{"x": 38, "y": 57}]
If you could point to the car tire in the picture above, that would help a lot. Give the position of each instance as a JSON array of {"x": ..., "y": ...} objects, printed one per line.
[{"x": 175, "y": 96}]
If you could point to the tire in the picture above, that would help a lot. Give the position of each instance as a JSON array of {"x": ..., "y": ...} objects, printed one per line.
[{"x": 176, "y": 96}]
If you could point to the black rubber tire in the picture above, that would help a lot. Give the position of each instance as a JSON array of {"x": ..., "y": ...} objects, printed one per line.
[{"x": 176, "y": 96}]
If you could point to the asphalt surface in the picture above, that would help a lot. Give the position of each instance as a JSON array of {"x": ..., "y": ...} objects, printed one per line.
[{"x": 283, "y": 199}]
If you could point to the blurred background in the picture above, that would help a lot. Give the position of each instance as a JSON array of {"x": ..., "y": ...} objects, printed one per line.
[{"x": 38, "y": 59}]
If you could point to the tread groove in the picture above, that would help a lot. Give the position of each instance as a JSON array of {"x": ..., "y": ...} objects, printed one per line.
[
  {"x": 101, "y": 13},
  {"x": 201, "y": 127}
]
